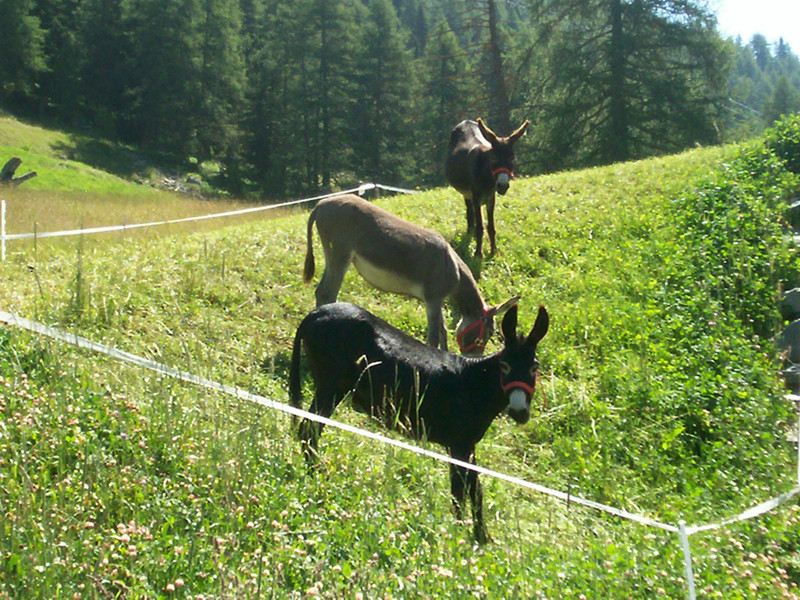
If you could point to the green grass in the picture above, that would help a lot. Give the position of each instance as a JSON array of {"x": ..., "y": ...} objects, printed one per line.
[
  {"x": 67, "y": 162},
  {"x": 117, "y": 483}
]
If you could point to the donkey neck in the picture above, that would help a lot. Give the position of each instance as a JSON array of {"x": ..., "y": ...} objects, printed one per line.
[
  {"x": 483, "y": 373},
  {"x": 467, "y": 297}
]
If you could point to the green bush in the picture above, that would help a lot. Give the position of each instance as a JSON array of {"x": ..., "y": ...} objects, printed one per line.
[{"x": 784, "y": 140}]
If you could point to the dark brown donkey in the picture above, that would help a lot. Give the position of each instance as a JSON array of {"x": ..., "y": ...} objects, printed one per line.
[
  {"x": 480, "y": 163},
  {"x": 397, "y": 256},
  {"x": 424, "y": 392}
]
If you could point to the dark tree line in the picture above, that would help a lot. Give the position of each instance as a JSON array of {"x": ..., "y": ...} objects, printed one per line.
[{"x": 292, "y": 97}]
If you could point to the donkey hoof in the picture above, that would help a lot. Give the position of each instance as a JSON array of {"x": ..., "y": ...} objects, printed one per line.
[{"x": 482, "y": 536}]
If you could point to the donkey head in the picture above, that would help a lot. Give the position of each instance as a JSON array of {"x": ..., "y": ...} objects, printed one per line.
[
  {"x": 501, "y": 156},
  {"x": 472, "y": 334},
  {"x": 518, "y": 363}
]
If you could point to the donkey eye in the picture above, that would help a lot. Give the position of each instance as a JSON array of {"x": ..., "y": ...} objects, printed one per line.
[
  {"x": 534, "y": 370},
  {"x": 505, "y": 368}
]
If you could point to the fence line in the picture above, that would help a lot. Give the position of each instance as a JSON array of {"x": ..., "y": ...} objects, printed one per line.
[
  {"x": 681, "y": 529},
  {"x": 364, "y": 187}
]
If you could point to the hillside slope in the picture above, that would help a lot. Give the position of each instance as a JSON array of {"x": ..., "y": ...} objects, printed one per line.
[{"x": 655, "y": 396}]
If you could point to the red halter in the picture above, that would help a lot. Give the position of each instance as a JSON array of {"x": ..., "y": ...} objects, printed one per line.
[
  {"x": 530, "y": 389},
  {"x": 518, "y": 384},
  {"x": 502, "y": 170},
  {"x": 480, "y": 342}
]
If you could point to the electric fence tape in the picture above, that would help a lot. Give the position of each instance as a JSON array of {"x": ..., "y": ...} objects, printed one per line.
[
  {"x": 52, "y": 234},
  {"x": 682, "y": 530}
]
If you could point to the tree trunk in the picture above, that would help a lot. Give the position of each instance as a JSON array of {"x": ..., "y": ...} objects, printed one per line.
[
  {"x": 7, "y": 174},
  {"x": 499, "y": 102},
  {"x": 617, "y": 144}
]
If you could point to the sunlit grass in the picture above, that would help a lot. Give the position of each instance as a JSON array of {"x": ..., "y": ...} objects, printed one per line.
[{"x": 115, "y": 482}]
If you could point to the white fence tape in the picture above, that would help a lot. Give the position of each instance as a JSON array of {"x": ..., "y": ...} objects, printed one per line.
[
  {"x": 682, "y": 530},
  {"x": 50, "y": 234},
  {"x": 81, "y": 342}
]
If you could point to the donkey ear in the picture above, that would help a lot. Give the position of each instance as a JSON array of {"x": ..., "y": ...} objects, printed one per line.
[
  {"x": 509, "y": 326},
  {"x": 519, "y": 132},
  {"x": 490, "y": 135},
  {"x": 540, "y": 327},
  {"x": 499, "y": 309}
]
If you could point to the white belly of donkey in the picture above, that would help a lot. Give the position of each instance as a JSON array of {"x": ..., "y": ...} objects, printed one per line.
[{"x": 386, "y": 280}]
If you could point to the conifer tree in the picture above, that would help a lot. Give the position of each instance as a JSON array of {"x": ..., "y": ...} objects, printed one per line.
[
  {"x": 21, "y": 47},
  {"x": 446, "y": 84},
  {"x": 60, "y": 82},
  {"x": 165, "y": 82},
  {"x": 105, "y": 66},
  {"x": 383, "y": 130},
  {"x": 625, "y": 79},
  {"x": 221, "y": 80}
]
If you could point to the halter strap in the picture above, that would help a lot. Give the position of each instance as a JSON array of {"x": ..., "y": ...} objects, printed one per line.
[
  {"x": 502, "y": 170},
  {"x": 521, "y": 385},
  {"x": 507, "y": 387},
  {"x": 479, "y": 342}
]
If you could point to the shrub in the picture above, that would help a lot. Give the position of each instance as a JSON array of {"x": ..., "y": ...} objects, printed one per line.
[{"x": 784, "y": 140}]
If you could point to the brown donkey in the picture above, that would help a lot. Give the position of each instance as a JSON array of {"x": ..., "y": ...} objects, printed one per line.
[
  {"x": 478, "y": 163},
  {"x": 397, "y": 256}
]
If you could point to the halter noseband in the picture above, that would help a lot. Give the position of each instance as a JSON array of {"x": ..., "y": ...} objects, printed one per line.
[
  {"x": 518, "y": 385},
  {"x": 507, "y": 387},
  {"x": 498, "y": 170},
  {"x": 480, "y": 342}
]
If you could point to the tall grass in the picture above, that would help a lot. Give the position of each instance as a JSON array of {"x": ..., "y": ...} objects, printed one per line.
[{"x": 118, "y": 483}]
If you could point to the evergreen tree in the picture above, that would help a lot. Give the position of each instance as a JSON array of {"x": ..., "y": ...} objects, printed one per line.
[
  {"x": 165, "y": 82},
  {"x": 762, "y": 85},
  {"x": 105, "y": 66},
  {"x": 784, "y": 101},
  {"x": 221, "y": 79},
  {"x": 624, "y": 79},
  {"x": 383, "y": 128},
  {"x": 21, "y": 48},
  {"x": 446, "y": 89},
  {"x": 262, "y": 103},
  {"x": 302, "y": 76},
  {"x": 60, "y": 83}
]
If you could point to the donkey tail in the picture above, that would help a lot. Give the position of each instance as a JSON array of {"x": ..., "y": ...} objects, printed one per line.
[
  {"x": 295, "y": 397},
  {"x": 308, "y": 269}
]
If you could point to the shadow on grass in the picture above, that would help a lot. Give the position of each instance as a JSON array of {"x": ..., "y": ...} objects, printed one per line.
[
  {"x": 101, "y": 154},
  {"x": 462, "y": 245}
]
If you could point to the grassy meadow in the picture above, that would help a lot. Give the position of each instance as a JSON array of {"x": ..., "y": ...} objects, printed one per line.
[{"x": 659, "y": 394}]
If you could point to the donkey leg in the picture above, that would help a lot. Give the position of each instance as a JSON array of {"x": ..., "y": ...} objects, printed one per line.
[
  {"x": 437, "y": 333},
  {"x": 331, "y": 281},
  {"x": 490, "y": 224},
  {"x": 465, "y": 482},
  {"x": 478, "y": 226},
  {"x": 310, "y": 431},
  {"x": 458, "y": 483},
  {"x": 470, "y": 216},
  {"x": 476, "y": 499}
]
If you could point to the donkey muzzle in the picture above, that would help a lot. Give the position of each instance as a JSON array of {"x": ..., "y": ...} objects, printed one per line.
[
  {"x": 502, "y": 178},
  {"x": 502, "y": 183},
  {"x": 519, "y": 401}
]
